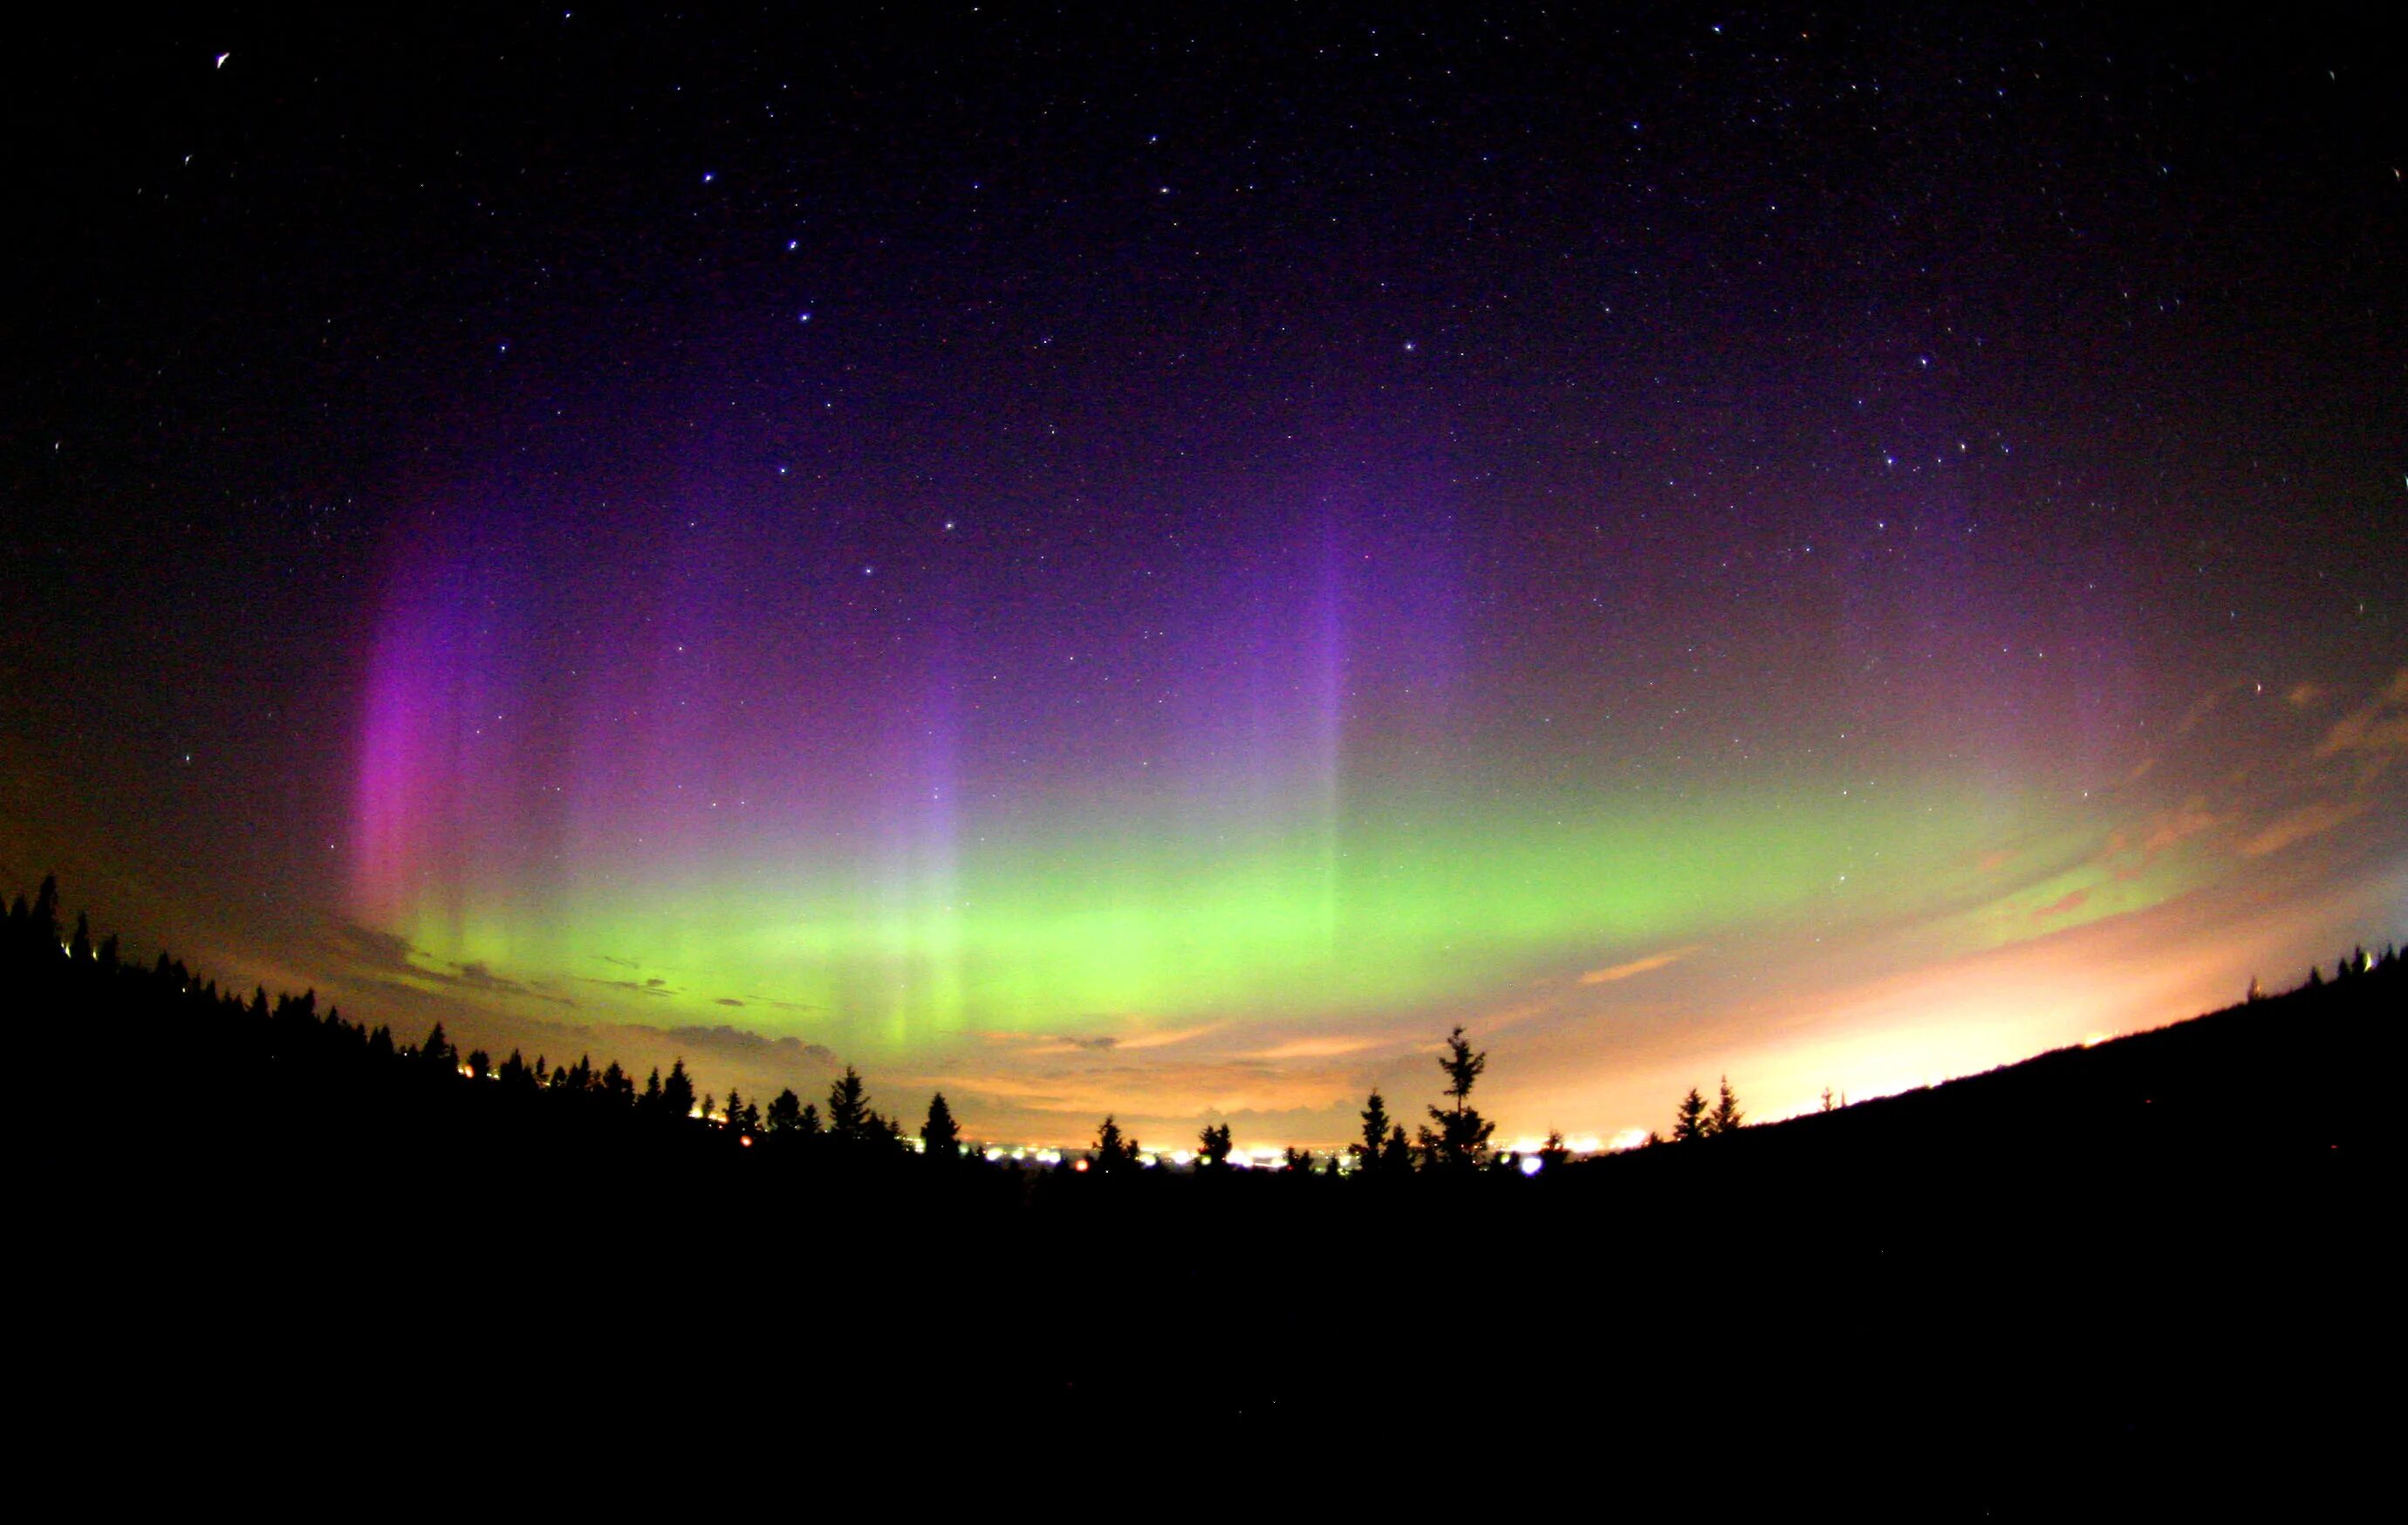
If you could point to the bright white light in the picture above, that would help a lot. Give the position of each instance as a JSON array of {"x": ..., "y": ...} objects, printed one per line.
[{"x": 1532, "y": 1164}]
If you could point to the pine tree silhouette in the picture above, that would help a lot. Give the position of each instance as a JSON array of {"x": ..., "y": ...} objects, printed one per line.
[
  {"x": 1375, "y": 1132},
  {"x": 940, "y": 1137},
  {"x": 1461, "y": 1140},
  {"x": 1689, "y": 1119},
  {"x": 1727, "y": 1117},
  {"x": 1212, "y": 1146}
]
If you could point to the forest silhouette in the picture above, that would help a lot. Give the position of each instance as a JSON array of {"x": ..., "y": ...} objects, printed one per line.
[{"x": 2125, "y": 1269}]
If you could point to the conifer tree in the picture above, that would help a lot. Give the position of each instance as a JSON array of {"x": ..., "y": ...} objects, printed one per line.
[
  {"x": 1375, "y": 1132},
  {"x": 785, "y": 1113},
  {"x": 1689, "y": 1119},
  {"x": 44, "y": 919},
  {"x": 1212, "y": 1146},
  {"x": 850, "y": 1119},
  {"x": 1113, "y": 1152},
  {"x": 940, "y": 1137},
  {"x": 676, "y": 1091},
  {"x": 1461, "y": 1140},
  {"x": 1727, "y": 1116}
]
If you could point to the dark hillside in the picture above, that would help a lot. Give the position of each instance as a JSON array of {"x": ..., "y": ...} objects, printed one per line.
[{"x": 2122, "y": 1274}]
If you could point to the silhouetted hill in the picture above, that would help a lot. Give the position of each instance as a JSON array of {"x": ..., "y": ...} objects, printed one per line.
[{"x": 2122, "y": 1276}]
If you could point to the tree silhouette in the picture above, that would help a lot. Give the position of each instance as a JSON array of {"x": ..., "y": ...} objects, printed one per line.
[
  {"x": 850, "y": 1119},
  {"x": 1397, "y": 1154},
  {"x": 1111, "y": 1151},
  {"x": 1689, "y": 1119},
  {"x": 1461, "y": 1140},
  {"x": 1727, "y": 1117},
  {"x": 785, "y": 1113},
  {"x": 1552, "y": 1153},
  {"x": 940, "y": 1137},
  {"x": 1212, "y": 1146},
  {"x": 676, "y": 1091},
  {"x": 1375, "y": 1132},
  {"x": 43, "y": 922},
  {"x": 435, "y": 1055}
]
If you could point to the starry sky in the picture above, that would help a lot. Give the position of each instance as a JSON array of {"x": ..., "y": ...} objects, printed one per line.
[{"x": 1155, "y": 560}]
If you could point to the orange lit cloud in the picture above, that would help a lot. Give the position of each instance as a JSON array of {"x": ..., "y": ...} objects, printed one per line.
[
  {"x": 1313, "y": 1048},
  {"x": 1612, "y": 973},
  {"x": 2305, "y": 822},
  {"x": 2381, "y": 727},
  {"x": 2072, "y": 900}
]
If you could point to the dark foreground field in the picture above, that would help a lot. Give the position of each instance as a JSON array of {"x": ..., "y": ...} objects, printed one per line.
[{"x": 2141, "y": 1277}]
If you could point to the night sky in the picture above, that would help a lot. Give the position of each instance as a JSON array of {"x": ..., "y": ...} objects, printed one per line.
[{"x": 1150, "y": 560}]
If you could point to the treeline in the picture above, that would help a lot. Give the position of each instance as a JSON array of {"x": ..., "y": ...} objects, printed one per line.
[
  {"x": 2146, "y": 1249},
  {"x": 167, "y": 1016},
  {"x": 174, "y": 1011},
  {"x": 175, "y": 1008}
]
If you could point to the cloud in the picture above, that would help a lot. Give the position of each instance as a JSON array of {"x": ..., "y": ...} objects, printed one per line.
[
  {"x": 2205, "y": 705},
  {"x": 480, "y": 976},
  {"x": 1125, "y": 1042},
  {"x": 737, "y": 1044},
  {"x": 782, "y": 1005},
  {"x": 2070, "y": 901},
  {"x": 2303, "y": 695},
  {"x": 389, "y": 959},
  {"x": 367, "y": 947},
  {"x": 1313, "y": 1048},
  {"x": 649, "y": 988},
  {"x": 2380, "y": 727},
  {"x": 1613, "y": 972},
  {"x": 729, "y": 1000},
  {"x": 2305, "y": 822},
  {"x": 2168, "y": 827}
]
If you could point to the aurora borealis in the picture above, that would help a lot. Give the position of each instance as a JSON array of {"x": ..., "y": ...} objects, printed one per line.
[{"x": 1156, "y": 565}]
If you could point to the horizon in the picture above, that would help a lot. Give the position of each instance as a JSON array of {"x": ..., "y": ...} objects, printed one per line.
[{"x": 1754, "y": 546}]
